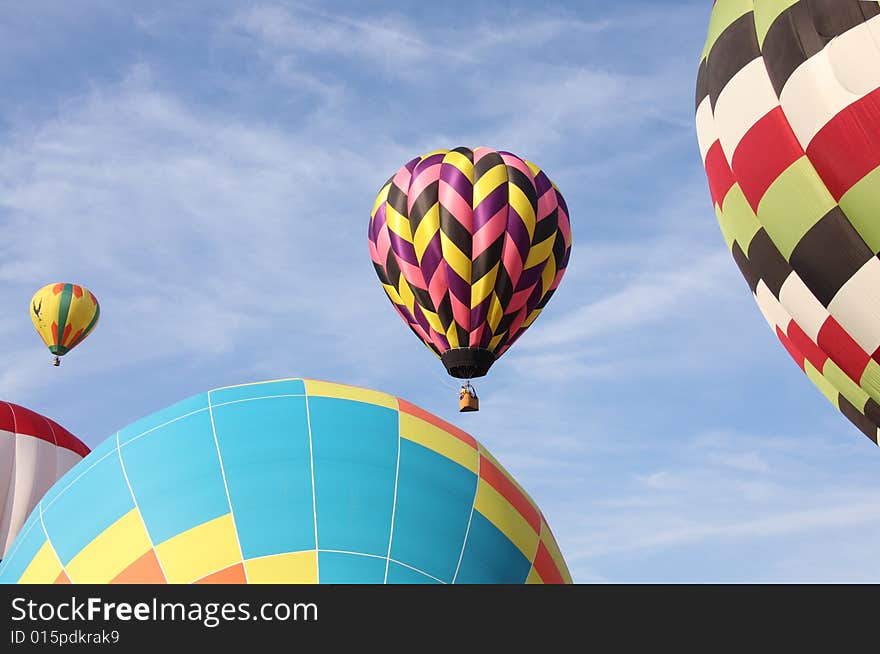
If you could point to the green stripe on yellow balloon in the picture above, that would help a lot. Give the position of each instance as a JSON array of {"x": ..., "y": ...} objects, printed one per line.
[{"x": 63, "y": 311}]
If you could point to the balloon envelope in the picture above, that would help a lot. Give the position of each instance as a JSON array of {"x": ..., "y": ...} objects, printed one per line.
[
  {"x": 288, "y": 481},
  {"x": 34, "y": 453},
  {"x": 788, "y": 123},
  {"x": 64, "y": 315},
  {"x": 469, "y": 246}
]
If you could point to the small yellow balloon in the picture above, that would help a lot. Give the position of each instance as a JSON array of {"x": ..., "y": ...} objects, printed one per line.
[{"x": 64, "y": 315}]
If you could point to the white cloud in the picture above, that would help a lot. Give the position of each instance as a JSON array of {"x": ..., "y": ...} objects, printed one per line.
[
  {"x": 220, "y": 215},
  {"x": 388, "y": 40}
]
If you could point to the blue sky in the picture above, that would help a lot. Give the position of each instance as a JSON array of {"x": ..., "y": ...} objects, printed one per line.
[{"x": 209, "y": 169}]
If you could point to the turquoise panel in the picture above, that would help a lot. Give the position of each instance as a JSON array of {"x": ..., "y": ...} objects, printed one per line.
[
  {"x": 429, "y": 484},
  {"x": 105, "y": 446},
  {"x": 399, "y": 574},
  {"x": 176, "y": 478},
  {"x": 251, "y": 391},
  {"x": 106, "y": 449},
  {"x": 338, "y": 568},
  {"x": 265, "y": 450},
  {"x": 26, "y": 545},
  {"x": 93, "y": 502},
  {"x": 355, "y": 449},
  {"x": 154, "y": 420},
  {"x": 490, "y": 558}
]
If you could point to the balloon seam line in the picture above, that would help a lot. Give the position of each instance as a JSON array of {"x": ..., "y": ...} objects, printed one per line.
[
  {"x": 49, "y": 540},
  {"x": 394, "y": 503},
  {"x": 314, "y": 496},
  {"x": 467, "y": 531},
  {"x": 137, "y": 506},
  {"x": 226, "y": 488}
]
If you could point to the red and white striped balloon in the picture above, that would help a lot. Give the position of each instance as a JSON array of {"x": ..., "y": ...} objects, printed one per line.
[{"x": 35, "y": 452}]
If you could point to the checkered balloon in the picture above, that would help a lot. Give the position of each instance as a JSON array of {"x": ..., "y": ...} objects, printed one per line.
[{"x": 788, "y": 123}]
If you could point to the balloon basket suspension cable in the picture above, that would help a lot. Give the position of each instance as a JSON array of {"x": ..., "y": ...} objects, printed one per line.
[{"x": 467, "y": 398}]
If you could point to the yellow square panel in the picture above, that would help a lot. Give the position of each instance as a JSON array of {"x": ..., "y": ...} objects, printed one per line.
[
  {"x": 44, "y": 568},
  {"x": 342, "y": 391},
  {"x": 111, "y": 551},
  {"x": 199, "y": 551},
  {"x": 290, "y": 568},
  {"x": 425, "y": 434}
]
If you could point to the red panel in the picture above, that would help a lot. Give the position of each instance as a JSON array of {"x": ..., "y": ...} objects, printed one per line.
[
  {"x": 766, "y": 150},
  {"x": 421, "y": 414},
  {"x": 546, "y": 566},
  {"x": 234, "y": 574},
  {"x": 848, "y": 147},
  {"x": 841, "y": 347},
  {"x": 145, "y": 570},
  {"x": 719, "y": 173},
  {"x": 806, "y": 346},
  {"x": 502, "y": 483},
  {"x": 7, "y": 422},
  {"x": 792, "y": 350},
  {"x": 57, "y": 288},
  {"x": 30, "y": 423},
  {"x": 77, "y": 291},
  {"x": 67, "y": 440},
  {"x": 20, "y": 420}
]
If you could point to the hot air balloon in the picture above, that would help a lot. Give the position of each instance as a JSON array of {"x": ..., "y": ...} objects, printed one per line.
[
  {"x": 289, "y": 481},
  {"x": 34, "y": 453},
  {"x": 469, "y": 246},
  {"x": 788, "y": 123},
  {"x": 64, "y": 315}
]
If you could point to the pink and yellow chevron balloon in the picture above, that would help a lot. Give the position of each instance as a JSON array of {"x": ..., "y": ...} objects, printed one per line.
[{"x": 469, "y": 245}]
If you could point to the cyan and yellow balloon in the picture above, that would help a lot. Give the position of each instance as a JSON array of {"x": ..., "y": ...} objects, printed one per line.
[
  {"x": 287, "y": 481},
  {"x": 64, "y": 315}
]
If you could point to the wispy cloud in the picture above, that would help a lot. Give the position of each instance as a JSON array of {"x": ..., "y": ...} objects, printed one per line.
[
  {"x": 211, "y": 175},
  {"x": 726, "y": 491}
]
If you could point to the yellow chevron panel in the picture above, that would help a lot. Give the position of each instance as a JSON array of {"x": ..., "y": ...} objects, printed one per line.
[
  {"x": 523, "y": 207},
  {"x": 464, "y": 165},
  {"x": 496, "y": 313},
  {"x": 482, "y": 287},
  {"x": 456, "y": 259},
  {"x": 488, "y": 182},
  {"x": 398, "y": 223},
  {"x": 540, "y": 252},
  {"x": 380, "y": 199},
  {"x": 427, "y": 229}
]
